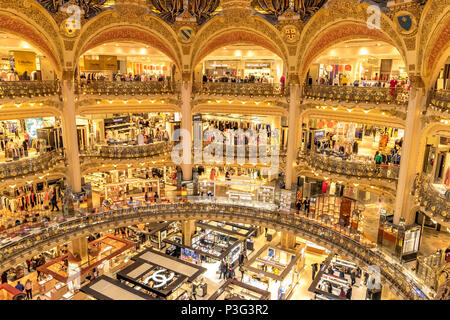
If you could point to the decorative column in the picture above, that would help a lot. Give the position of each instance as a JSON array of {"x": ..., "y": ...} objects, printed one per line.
[
  {"x": 287, "y": 240},
  {"x": 186, "y": 124},
  {"x": 293, "y": 123},
  {"x": 410, "y": 152},
  {"x": 70, "y": 131},
  {"x": 80, "y": 248},
  {"x": 188, "y": 230}
]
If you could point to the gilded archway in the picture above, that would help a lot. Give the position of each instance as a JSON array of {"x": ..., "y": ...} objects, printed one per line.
[
  {"x": 113, "y": 26},
  {"x": 225, "y": 30},
  {"x": 433, "y": 39},
  {"x": 29, "y": 21},
  {"x": 345, "y": 21}
]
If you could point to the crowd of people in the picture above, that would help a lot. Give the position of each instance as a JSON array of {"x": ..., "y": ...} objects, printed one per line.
[{"x": 98, "y": 76}]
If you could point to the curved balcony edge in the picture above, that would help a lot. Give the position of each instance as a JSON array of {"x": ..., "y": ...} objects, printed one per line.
[{"x": 81, "y": 226}]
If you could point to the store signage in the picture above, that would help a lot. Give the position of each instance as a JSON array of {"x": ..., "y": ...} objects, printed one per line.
[
  {"x": 257, "y": 65},
  {"x": 215, "y": 65},
  {"x": 160, "y": 278},
  {"x": 24, "y": 61},
  {"x": 102, "y": 63}
]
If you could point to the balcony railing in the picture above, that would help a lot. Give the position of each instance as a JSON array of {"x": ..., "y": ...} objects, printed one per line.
[
  {"x": 211, "y": 209},
  {"x": 132, "y": 151},
  {"x": 28, "y": 89},
  {"x": 441, "y": 99},
  {"x": 430, "y": 199},
  {"x": 31, "y": 165},
  {"x": 234, "y": 89},
  {"x": 120, "y": 88},
  {"x": 350, "y": 168},
  {"x": 377, "y": 95}
]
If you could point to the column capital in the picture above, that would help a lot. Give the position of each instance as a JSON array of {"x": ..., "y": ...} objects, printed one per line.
[
  {"x": 293, "y": 78},
  {"x": 67, "y": 75},
  {"x": 416, "y": 81}
]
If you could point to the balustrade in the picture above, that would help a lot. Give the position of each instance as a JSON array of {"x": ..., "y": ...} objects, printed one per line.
[
  {"x": 265, "y": 213},
  {"x": 440, "y": 99},
  {"x": 121, "y": 88},
  {"x": 241, "y": 89},
  {"x": 28, "y": 89},
  {"x": 37, "y": 164},
  {"x": 375, "y": 95},
  {"x": 350, "y": 168},
  {"x": 431, "y": 199},
  {"x": 131, "y": 151}
]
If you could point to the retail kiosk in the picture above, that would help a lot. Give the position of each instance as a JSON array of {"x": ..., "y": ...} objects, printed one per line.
[
  {"x": 275, "y": 270},
  {"x": 162, "y": 276},
  {"x": 154, "y": 233},
  {"x": 209, "y": 244},
  {"x": 332, "y": 277},
  {"x": 236, "y": 290},
  {"x": 106, "y": 288}
]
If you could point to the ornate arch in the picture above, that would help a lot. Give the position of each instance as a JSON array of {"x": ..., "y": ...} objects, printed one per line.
[
  {"x": 225, "y": 30},
  {"x": 345, "y": 21},
  {"x": 114, "y": 26},
  {"x": 30, "y": 26},
  {"x": 433, "y": 39}
]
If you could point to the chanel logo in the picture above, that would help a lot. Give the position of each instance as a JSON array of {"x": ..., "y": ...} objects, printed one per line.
[{"x": 160, "y": 278}]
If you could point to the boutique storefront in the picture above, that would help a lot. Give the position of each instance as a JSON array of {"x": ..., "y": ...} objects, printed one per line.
[
  {"x": 125, "y": 129},
  {"x": 354, "y": 141},
  {"x": 236, "y": 290}
]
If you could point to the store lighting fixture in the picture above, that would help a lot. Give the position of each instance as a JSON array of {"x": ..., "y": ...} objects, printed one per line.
[
  {"x": 125, "y": 101},
  {"x": 383, "y": 113},
  {"x": 152, "y": 101},
  {"x": 139, "y": 101},
  {"x": 317, "y": 107},
  {"x": 257, "y": 103},
  {"x": 12, "y": 187},
  {"x": 162, "y": 101},
  {"x": 244, "y": 102},
  {"x": 349, "y": 110},
  {"x": 335, "y": 109},
  {"x": 32, "y": 104},
  {"x": 18, "y": 105},
  {"x": 356, "y": 184},
  {"x": 129, "y": 165},
  {"x": 29, "y": 182},
  {"x": 229, "y": 101},
  {"x": 324, "y": 107},
  {"x": 209, "y": 101},
  {"x": 110, "y": 101},
  {"x": 366, "y": 111},
  {"x": 1, "y": 106},
  {"x": 340, "y": 182},
  {"x": 218, "y": 101},
  {"x": 434, "y": 221},
  {"x": 41, "y": 104}
]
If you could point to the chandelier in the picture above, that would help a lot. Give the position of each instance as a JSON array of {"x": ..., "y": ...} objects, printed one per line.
[
  {"x": 168, "y": 10},
  {"x": 304, "y": 8}
]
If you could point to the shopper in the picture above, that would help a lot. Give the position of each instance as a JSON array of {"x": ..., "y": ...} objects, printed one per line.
[
  {"x": 348, "y": 295},
  {"x": 28, "y": 289},
  {"x": 54, "y": 201},
  {"x": 314, "y": 270},
  {"x": 353, "y": 276},
  {"x": 242, "y": 270},
  {"x": 5, "y": 277},
  {"x": 194, "y": 291},
  {"x": 342, "y": 294},
  {"x": 222, "y": 269},
  {"x": 306, "y": 203},
  {"x": 19, "y": 286},
  {"x": 241, "y": 258},
  {"x": 366, "y": 276}
]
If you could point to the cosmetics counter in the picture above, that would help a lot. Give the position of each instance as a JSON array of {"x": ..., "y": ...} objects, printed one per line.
[
  {"x": 275, "y": 270},
  {"x": 236, "y": 290}
]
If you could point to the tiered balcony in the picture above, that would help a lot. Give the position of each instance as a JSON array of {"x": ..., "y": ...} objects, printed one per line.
[
  {"x": 440, "y": 100},
  {"x": 431, "y": 201},
  {"x": 125, "y": 88},
  {"x": 20, "y": 248},
  {"x": 133, "y": 151},
  {"x": 24, "y": 90},
  {"x": 338, "y": 166},
  {"x": 34, "y": 165},
  {"x": 233, "y": 89},
  {"x": 358, "y": 95}
]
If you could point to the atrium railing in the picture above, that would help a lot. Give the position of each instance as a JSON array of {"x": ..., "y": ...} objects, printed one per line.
[
  {"x": 28, "y": 89},
  {"x": 33, "y": 165},
  {"x": 241, "y": 89},
  {"x": 375, "y": 95},
  {"x": 350, "y": 168},
  {"x": 131, "y": 151},
  {"x": 201, "y": 207},
  {"x": 441, "y": 99},
  {"x": 431, "y": 199},
  {"x": 120, "y": 88}
]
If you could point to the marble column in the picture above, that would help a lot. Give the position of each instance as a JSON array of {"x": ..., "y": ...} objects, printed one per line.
[
  {"x": 409, "y": 153},
  {"x": 70, "y": 136},
  {"x": 293, "y": 129},
  {"x": 186, "y": 124},
  {"x": 287, "y": 240},
  {"x": 188, "y": 230}
]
